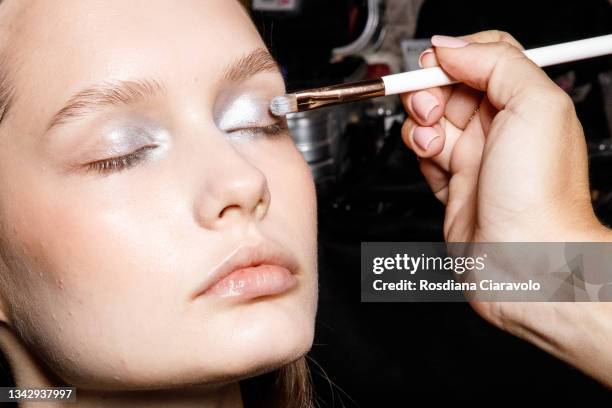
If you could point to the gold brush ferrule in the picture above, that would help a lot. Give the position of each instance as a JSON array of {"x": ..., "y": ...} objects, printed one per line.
[{"x": 337, "y": 94}]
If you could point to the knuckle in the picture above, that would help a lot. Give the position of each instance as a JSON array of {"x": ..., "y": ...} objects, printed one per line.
[
  {"x": 561, "y": 102},
  {"x": 499, "y": 35},
  {"x": 557, "y": 105},
  {"x": 506, "y": 48},
  {"x": 565, "y": 101},
  {"x": 485, "y": 36},
  {"x": 510, "y": 39},
  {"x": 508, "y": 54},
  {"x": 505, "y": 51},
  {"x": 505, "y": 36},
  {"x": 493, "y": 35}
]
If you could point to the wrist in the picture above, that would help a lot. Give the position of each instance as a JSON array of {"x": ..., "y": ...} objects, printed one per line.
[
  {"x": 590, "y": 231},
  {"x": 553, "y": 328},
  {"x": 575, "y": 226}
]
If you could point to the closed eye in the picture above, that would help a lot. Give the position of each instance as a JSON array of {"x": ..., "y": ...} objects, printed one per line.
[
  {"x": 115, "y": 164},
  {"x": 274, "y": 129}
]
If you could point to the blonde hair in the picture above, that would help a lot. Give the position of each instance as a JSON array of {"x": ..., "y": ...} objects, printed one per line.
[{"x": 288, "y": 387}]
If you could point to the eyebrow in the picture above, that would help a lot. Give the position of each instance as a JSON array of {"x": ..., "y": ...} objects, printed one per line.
[
  {"x": 121, "y": 92},
  {"x": 257, "y": 61},
  {"x": 109, "y": 93}
]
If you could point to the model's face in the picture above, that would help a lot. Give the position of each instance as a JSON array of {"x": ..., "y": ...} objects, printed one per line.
[{"x": 115, "y": 217}]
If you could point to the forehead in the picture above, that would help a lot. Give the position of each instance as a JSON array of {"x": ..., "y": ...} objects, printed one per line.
[{"x": 61, "y": 46}]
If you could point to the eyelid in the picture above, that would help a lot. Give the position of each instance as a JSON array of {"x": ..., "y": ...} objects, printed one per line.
[
  {"x": 119, "y": 163},
  {"x": 243, "y": 111},
  {"x": 122, "y": 140}
]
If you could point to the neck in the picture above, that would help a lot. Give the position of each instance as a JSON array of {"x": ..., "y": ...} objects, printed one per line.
[{"x": 30, "y": 372}]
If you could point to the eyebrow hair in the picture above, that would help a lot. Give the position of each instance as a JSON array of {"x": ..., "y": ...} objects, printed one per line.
[
  {"x": 113, "y": 93},
  {"x": 255, "y": 62},
  {"x": 109, "y": 93}
]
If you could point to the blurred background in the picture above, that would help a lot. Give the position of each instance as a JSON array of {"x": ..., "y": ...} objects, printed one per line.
[{"x": 370, "y": 189}]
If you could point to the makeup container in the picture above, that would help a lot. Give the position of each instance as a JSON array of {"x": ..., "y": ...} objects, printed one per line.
[{"x": 317, "y": 135}]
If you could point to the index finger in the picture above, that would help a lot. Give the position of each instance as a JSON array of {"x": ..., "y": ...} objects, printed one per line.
[{"x": 492, "y": 36}]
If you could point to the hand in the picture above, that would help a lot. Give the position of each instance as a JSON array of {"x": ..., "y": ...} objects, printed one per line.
[{"x": 505, "y": 152}]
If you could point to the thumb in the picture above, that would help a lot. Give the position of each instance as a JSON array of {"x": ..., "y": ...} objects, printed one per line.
[{"x": 497, "y": 68}]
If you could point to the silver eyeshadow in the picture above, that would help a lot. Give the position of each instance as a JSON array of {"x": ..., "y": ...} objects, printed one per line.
[
  {"x": 123, "y": 139},
  {"x": 243, "y": 111}
]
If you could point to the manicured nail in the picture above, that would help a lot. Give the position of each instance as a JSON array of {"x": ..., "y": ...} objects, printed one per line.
[
  {"x": 423, "y": 103},
  {"x": 449, "y": 42},
  {"x": 423, "y": 136},
  {"x": 423, "y": 54}
]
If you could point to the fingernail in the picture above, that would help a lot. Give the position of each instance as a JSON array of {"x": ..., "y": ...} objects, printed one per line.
[
  {"x": 423, "y": 136},
  {"x": 449, "y": 42},
  {"x": 423, "y": 54},
  {"x": 423, "y": 103}
]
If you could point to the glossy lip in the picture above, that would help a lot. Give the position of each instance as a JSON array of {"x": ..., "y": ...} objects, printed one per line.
[{"x": 263, "y": 253}]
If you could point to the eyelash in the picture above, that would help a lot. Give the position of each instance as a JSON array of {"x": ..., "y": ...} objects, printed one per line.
[
  {"x": 116, "y": 164},
  {"x": 274, "y": 129},
  {"x": 127, "y": 161}
]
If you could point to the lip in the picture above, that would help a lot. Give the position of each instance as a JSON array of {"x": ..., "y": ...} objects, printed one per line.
[{"x": 261, "y": 257}]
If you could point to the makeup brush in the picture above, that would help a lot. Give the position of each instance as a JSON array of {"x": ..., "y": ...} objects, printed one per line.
[{"x": 426, "y": 78}]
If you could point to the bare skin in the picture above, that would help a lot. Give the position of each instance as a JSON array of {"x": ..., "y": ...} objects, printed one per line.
[{"x": 101, "y": 258}]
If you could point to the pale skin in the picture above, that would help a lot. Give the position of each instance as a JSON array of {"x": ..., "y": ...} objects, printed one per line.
[
  {"x": 515, "y": 170},
  {"x": 98, "y": 269}
]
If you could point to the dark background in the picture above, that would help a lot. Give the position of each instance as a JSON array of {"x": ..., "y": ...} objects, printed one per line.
[{"x": 393, "y": 354}]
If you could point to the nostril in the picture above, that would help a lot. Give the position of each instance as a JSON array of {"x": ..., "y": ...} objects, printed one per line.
[
  {"x": 229, "y": 207},
  {"x": 261, "y": 208}
]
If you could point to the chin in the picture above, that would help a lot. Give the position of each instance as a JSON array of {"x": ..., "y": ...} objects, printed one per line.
[{"x": 261, "y": 336}]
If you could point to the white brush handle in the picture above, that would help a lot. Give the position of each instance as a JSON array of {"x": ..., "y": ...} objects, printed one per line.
[{"x": 543, "y": 57}]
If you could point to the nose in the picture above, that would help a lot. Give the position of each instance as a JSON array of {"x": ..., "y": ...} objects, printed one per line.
[{"x": 235, "y": 192}]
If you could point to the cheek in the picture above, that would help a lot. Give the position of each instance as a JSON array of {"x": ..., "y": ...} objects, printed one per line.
[
  {"x": 96, "y": 270},
  {"x": 108, "y": 273},
  {"x": 121, "y": 249},
  {"x": 293, "y": 208},
  {"x": 293, "y": 192},
  {"x": 80, "y": 243}
]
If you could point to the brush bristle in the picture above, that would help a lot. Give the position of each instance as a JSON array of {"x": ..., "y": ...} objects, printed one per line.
[{"x": 283, "y": 105}]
